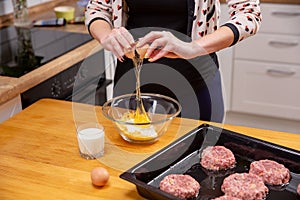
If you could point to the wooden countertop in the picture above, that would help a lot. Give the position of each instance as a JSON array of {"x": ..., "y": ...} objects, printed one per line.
[
  {"x": 11, "y": 87},
  {"x": 39, "y": 156}
]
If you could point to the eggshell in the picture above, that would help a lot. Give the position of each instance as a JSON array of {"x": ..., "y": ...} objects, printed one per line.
[
  {"x": 99, "y": 176},
  {"x": 129, "y": 53},
  {"x": 142, "y": 50}
]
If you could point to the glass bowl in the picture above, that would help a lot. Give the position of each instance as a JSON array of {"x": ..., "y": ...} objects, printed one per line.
[{"x": 159, "y": 108}]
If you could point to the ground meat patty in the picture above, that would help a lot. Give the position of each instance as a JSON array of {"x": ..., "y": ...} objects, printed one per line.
[
  {"x": 271, "y": 172},
  {"x": 298, "y": 189},
  {"x": 225, "y": 197},
  {"x": 182, "y": 186},
  {"x": 244, "y": 186},
  {"x": 217, "y": 158}
]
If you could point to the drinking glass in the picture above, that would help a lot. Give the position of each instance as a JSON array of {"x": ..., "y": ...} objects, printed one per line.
[
  {"x": 21, "y": 16},
  {"x": 90, "y": 140}
]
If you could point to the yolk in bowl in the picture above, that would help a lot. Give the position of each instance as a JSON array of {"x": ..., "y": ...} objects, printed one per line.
[{"x": 137, "y": 132}]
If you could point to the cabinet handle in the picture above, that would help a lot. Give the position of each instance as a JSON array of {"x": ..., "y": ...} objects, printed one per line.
[
  {"x": 283, "y": 44},
  {"x": 287, "y": 14},
  {"x": 278, "y": 72}
]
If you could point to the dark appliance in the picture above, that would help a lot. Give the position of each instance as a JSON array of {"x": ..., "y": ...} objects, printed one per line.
[
  {"x": 23, "y": 50},
  {"x": 83, "y": 82}
]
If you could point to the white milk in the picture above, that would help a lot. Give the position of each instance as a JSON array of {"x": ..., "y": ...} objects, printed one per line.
[{"x": 91, "y": 142}]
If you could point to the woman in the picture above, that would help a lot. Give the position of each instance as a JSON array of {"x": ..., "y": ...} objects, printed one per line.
[{"x": 183, "y": 35}]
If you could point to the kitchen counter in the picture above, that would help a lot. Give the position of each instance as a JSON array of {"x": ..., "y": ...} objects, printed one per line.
[
  {"x": 39, "y": 156},
  {"x": 11, "y": 87}
]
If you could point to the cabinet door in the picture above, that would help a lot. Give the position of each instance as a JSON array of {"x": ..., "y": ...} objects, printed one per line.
[
  {"x": 280, "y": 18},
  {"x": 10, "y": 108},
  {"x": 270, "y": 47},
  {"x": 110, "y": 63},
  {"x": 225, "y": 57},
  {"x": 266, "y": 89},
  {"x": 226, "y": 64}
]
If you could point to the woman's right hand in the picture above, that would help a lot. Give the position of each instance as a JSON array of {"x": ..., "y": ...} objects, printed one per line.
[{"x": 118, "y": 40}]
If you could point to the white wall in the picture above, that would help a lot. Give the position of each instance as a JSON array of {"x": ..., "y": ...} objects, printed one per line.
[{"x": 6, "y": 5}]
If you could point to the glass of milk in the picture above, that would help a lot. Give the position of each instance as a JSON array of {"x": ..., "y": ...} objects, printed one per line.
[{"x": 90, "y": 140}]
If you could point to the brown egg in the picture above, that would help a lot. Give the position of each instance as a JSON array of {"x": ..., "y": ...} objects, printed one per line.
[
  {"x": 129, "y": 53},
  {"x": 99, "y": 176},
  {"x": 142, "y": 50}
]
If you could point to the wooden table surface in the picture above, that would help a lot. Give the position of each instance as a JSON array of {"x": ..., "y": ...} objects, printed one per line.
[{"x": 39, "y": 156}]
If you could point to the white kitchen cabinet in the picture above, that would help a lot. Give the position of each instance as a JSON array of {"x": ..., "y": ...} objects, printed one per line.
[
  {"x": 110, "y": 65},
  {"x": 270, "y": 48},
  {"x": 266, "y": 88},
  {"x": 226, "y": 66},
  {"x": 10, "y": 108},
  {"x": 280, "y": 19},
  {"x": 225, "y": 57},
  {"x": 266, "y": 72}
]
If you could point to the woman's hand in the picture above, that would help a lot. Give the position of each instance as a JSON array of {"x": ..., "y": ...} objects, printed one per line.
[
  {"x": 117, "y": 41},
  {"x": 165, "y": 44}
]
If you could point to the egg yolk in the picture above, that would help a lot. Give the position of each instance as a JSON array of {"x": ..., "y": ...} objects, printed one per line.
[
  {"x": 138, "y": 132},
  {"x": 140, "y": 117}
]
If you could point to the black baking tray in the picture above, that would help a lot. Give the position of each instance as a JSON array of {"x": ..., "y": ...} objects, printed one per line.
[{"x": 183, "y": 157}]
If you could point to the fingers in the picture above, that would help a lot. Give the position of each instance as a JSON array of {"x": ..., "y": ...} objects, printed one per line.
[
  {"x": 162, "y": 44},
  {"x": 149, "y": 38},
  {"x": 117, "y": 49},
  {"x": 171, "y": 55},
  {"x": 127, "y": 36},
  {"x": 159, "y": 53},
  {"x": 123, "y": 37},
  {"x": 118, "y": 41}
]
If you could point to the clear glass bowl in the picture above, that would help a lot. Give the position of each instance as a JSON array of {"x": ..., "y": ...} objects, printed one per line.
[{"x": 160, "y": 110}]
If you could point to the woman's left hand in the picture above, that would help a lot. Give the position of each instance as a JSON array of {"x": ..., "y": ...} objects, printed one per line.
[{"x": 165, "y": 44}]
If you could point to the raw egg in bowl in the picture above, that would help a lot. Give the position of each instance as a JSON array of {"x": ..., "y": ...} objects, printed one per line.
[{"x": 145, "y": 126}]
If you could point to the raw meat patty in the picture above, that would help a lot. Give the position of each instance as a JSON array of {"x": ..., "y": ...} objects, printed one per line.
[
  {"x": 217, "y": 158},
  {"x": 225, "y": 197},
  {"x": 244, "y": 186},
  {"x": 298, "y": 189},
  {"x": 271, "y": 172},
  {"x": 182, "y": 186}
]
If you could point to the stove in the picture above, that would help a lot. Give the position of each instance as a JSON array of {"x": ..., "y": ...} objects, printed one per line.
[{"x": 23, "y": 50}]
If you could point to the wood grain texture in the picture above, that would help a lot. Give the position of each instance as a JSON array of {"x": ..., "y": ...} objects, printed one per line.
[
  {"x": 11, "y": 87},
  {"x": 39, "y": 156}
]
